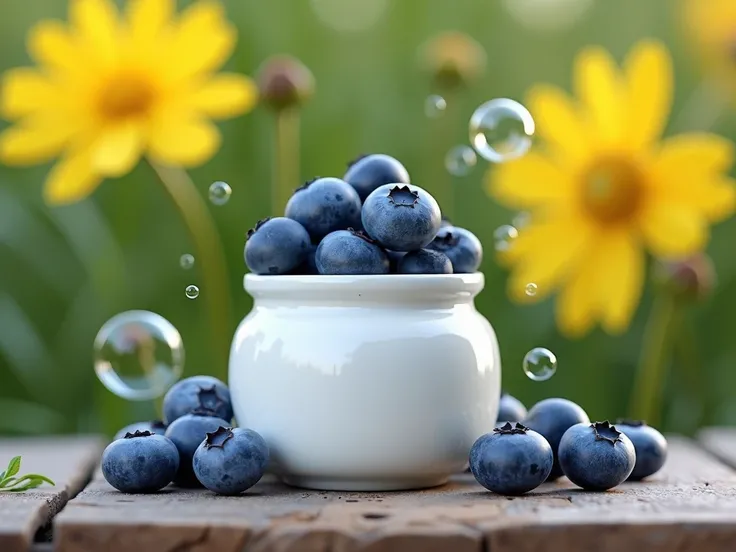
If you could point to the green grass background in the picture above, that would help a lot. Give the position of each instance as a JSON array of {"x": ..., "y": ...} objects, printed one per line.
[{"x": 64, "y": 271}]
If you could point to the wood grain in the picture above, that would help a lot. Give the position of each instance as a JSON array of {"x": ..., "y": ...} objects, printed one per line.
[
  {"x": 689, "y": 506},
  {"x": 69, "y": 462}
]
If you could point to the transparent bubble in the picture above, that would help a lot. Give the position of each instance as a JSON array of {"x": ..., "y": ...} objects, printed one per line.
[
  {"x": 540, "y": 364},
  {"x": 521, "y": 219},
  {"x": 220, "y": 193},
  {"x": 350, "y": 15},
  {"x": 501, "y": 130},
  {"x": 504, "y": 237},
  {"x": 460, "y": 160},
  {"x": 138, "y": 355},
  {"x": 531, "y": 289},
  {"x": 186, "y": 261},
  {"x": 434, "y": 106},
  {"x": 192, "y": 292}
]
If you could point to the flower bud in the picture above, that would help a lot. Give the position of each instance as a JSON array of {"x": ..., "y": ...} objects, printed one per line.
[
  {"x": 284, "y": 81},
  {"x": 691, "y": 279},
  {"x": 453, "y": 59}
]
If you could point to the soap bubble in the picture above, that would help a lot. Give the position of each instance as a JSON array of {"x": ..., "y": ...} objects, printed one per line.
[
  {"x": 501, "y": 130},
  {"x": 434, "y": 106},
  {"x": 540, "y": 364},
  {"x": 186, "y": 261},
  {"x": 504, "y": 237},
  {"x": 192, "y": 292},
  {"x": 531, "y": 289},
  {"x": 138, "y": 355},
  {"x": 460, "y": 160},
  {"x": 220, "y": 193}
]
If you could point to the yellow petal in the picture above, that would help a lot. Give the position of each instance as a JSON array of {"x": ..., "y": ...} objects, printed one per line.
[
  {"x": 96, "y": 21},
  {"x": 531, "y": 180},
  {"x": 184, "y": 142},
  {"x": 24, "y": 91},
  {"x": 558, "y": 123},
  {"x": 600, "y": 89},
  {"x": 71, "y": 180},
  {"x": 50, "y": 44},
  {"x": 673, "y": 230},
  {"x": 577, "y": 304},
  {"x": 147, "y": 18},
  {"x": 118, "y": 150},
  {"x": 203, "y": 40},
  {"x": 708, "y": 152},
  {"x": 620, "y": 283},
  {"x": 33, "y": 142},
  {"x": 650, "y": 86},
  {"x": 225, "y": 95},
  {"x": 716, "y": 199}
]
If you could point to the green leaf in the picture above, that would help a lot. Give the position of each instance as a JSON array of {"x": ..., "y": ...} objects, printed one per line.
[
  {"x": 8, "y": 482},
  {"x": 13, "y": 467}
]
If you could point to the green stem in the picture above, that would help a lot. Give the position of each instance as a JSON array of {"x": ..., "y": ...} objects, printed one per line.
[
  {"x": 210, "y": 258},
  {"x": 646, "y": 399},
  {"x": 686, "y": 349},
  {"x": 286, "y": 164}
]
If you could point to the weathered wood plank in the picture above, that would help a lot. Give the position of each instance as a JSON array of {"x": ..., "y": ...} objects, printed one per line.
[
  {"x": 721, "y": 442},
  {"x": 690, "y": 505},
  {"x": 69, "y": 462}
]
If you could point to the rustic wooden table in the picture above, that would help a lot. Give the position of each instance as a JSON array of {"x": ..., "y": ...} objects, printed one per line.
[{"x": 689, "y": 506}]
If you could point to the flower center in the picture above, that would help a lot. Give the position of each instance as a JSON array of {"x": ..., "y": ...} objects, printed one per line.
[
  {"x": 612, "y": 190},
  {"x": 126, "y": 95}
]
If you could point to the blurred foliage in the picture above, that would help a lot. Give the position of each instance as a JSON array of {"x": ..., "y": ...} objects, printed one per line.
[{"x": 65, "y": 271}]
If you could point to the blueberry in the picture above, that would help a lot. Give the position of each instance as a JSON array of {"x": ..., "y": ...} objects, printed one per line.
[
  {"x": 350, "y": 252},
  {"x": 309, "y": 266},
  {"x": 445, "y": 222},
  {"x": 512, "y": 460},
  {"x": 140, "y": 462},
  {"x": 650, "y": 446},
  {"x": 461, "y": 246},
  {"x": 597, "y": 456},
  {"x": 510, "y": 409},
  {"x": 425, "y": 261},
  {"x": 394, "y": 257},
  {"x": 401, "y": 217},
  {"x": 187, "y": 433},
  {"x": 276, "y": 246},
  {"x": 197, "y": 392},
  {"x": 155, "y": 426},
  {"x": 230, "y": 461},
  {"x": 369, "y": 172},
  {"x": 552, "y": 418},
  {"x": 325, "y": 205}
]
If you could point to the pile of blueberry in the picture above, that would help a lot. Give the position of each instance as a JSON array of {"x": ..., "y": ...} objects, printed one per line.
[
  {"x": 195, "y": 446},
  {"x": 556, "y": 438},
  {"x": 372, "y": 221}
]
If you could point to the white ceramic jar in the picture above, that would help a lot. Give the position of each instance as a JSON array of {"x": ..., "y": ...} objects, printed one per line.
[{"x": 366, "y": 383}]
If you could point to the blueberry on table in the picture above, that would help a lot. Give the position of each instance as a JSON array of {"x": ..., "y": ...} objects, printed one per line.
[
  {"x": 154, "y": 426},
  {"x": 187, "y": 433},
  {"x": 461, "y": 246},
  {"x": 230, "y": 461},
  {"x": 350, "y": 252},
  {"x": 323, "y": 206},
  {"x": 140, "y": 462},
  {"x": 510, "y": 409},
  {"x": 650, "y": 446},
  {"x": 197, "y": 392},
  {"x": 512, "y": 460},
  {"x": 597, "y": 456},
  {"x": 401, "y": 217},
  {"x": 369, "y": 172},
  {"x": 424, "y": 261},
  {"x": 551, "y": 418},
  {"x": 276, "y": 246}
]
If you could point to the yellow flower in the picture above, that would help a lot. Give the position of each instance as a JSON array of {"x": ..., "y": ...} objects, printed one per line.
[
  {"x": 711, "y": 25},
  {"x": 605, "y": 189},
  {"x": 110, "y": 88}
]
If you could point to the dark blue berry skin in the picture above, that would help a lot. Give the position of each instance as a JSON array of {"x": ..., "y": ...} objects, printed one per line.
[
  {"x": 551, "y": 418},
  {"x": 276, "y": 246},
  {"x": 373, "y": 171},
  {"x": 394, "y": 257},
  {"x": 510, "y": 409},
  {"x": 141, "y": 462},
  {"x": 309, "y": 266},
  {"x": 511, "y": 460},
  {"x": 424, "y": 261},
  {"x": 187, "y": 433},
  {"x": 155, "y": 426},
  {"x": 401, "y": 217},
  {"x": 596, "y": 457},
  {"x": 650, "y": 446},
  {"x": 325, "y": 205},
  {"x": 231, "y": 460},
  {"x": 197, "y": 392},
  {"x": 461, "y": 246},
  {"x": 350, "y": 252}
]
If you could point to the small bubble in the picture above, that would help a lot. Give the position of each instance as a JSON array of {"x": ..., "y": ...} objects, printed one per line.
[
  {"x": 434, "y": 106},
  {"x": 220, "y": 193},
  {"x": 460, "y": 160},
  {"x": 522, "y": 219},
  {"x": 504, "y": 237},
  {"x": 186, "y": 261},
  {"x": 540, "y": 364},
  {"x": 501, "y": 130},
  {"x": 138, "y": 355},
  {"x": 531, "y": 289},
  {"x": 192, "y": 292}
]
